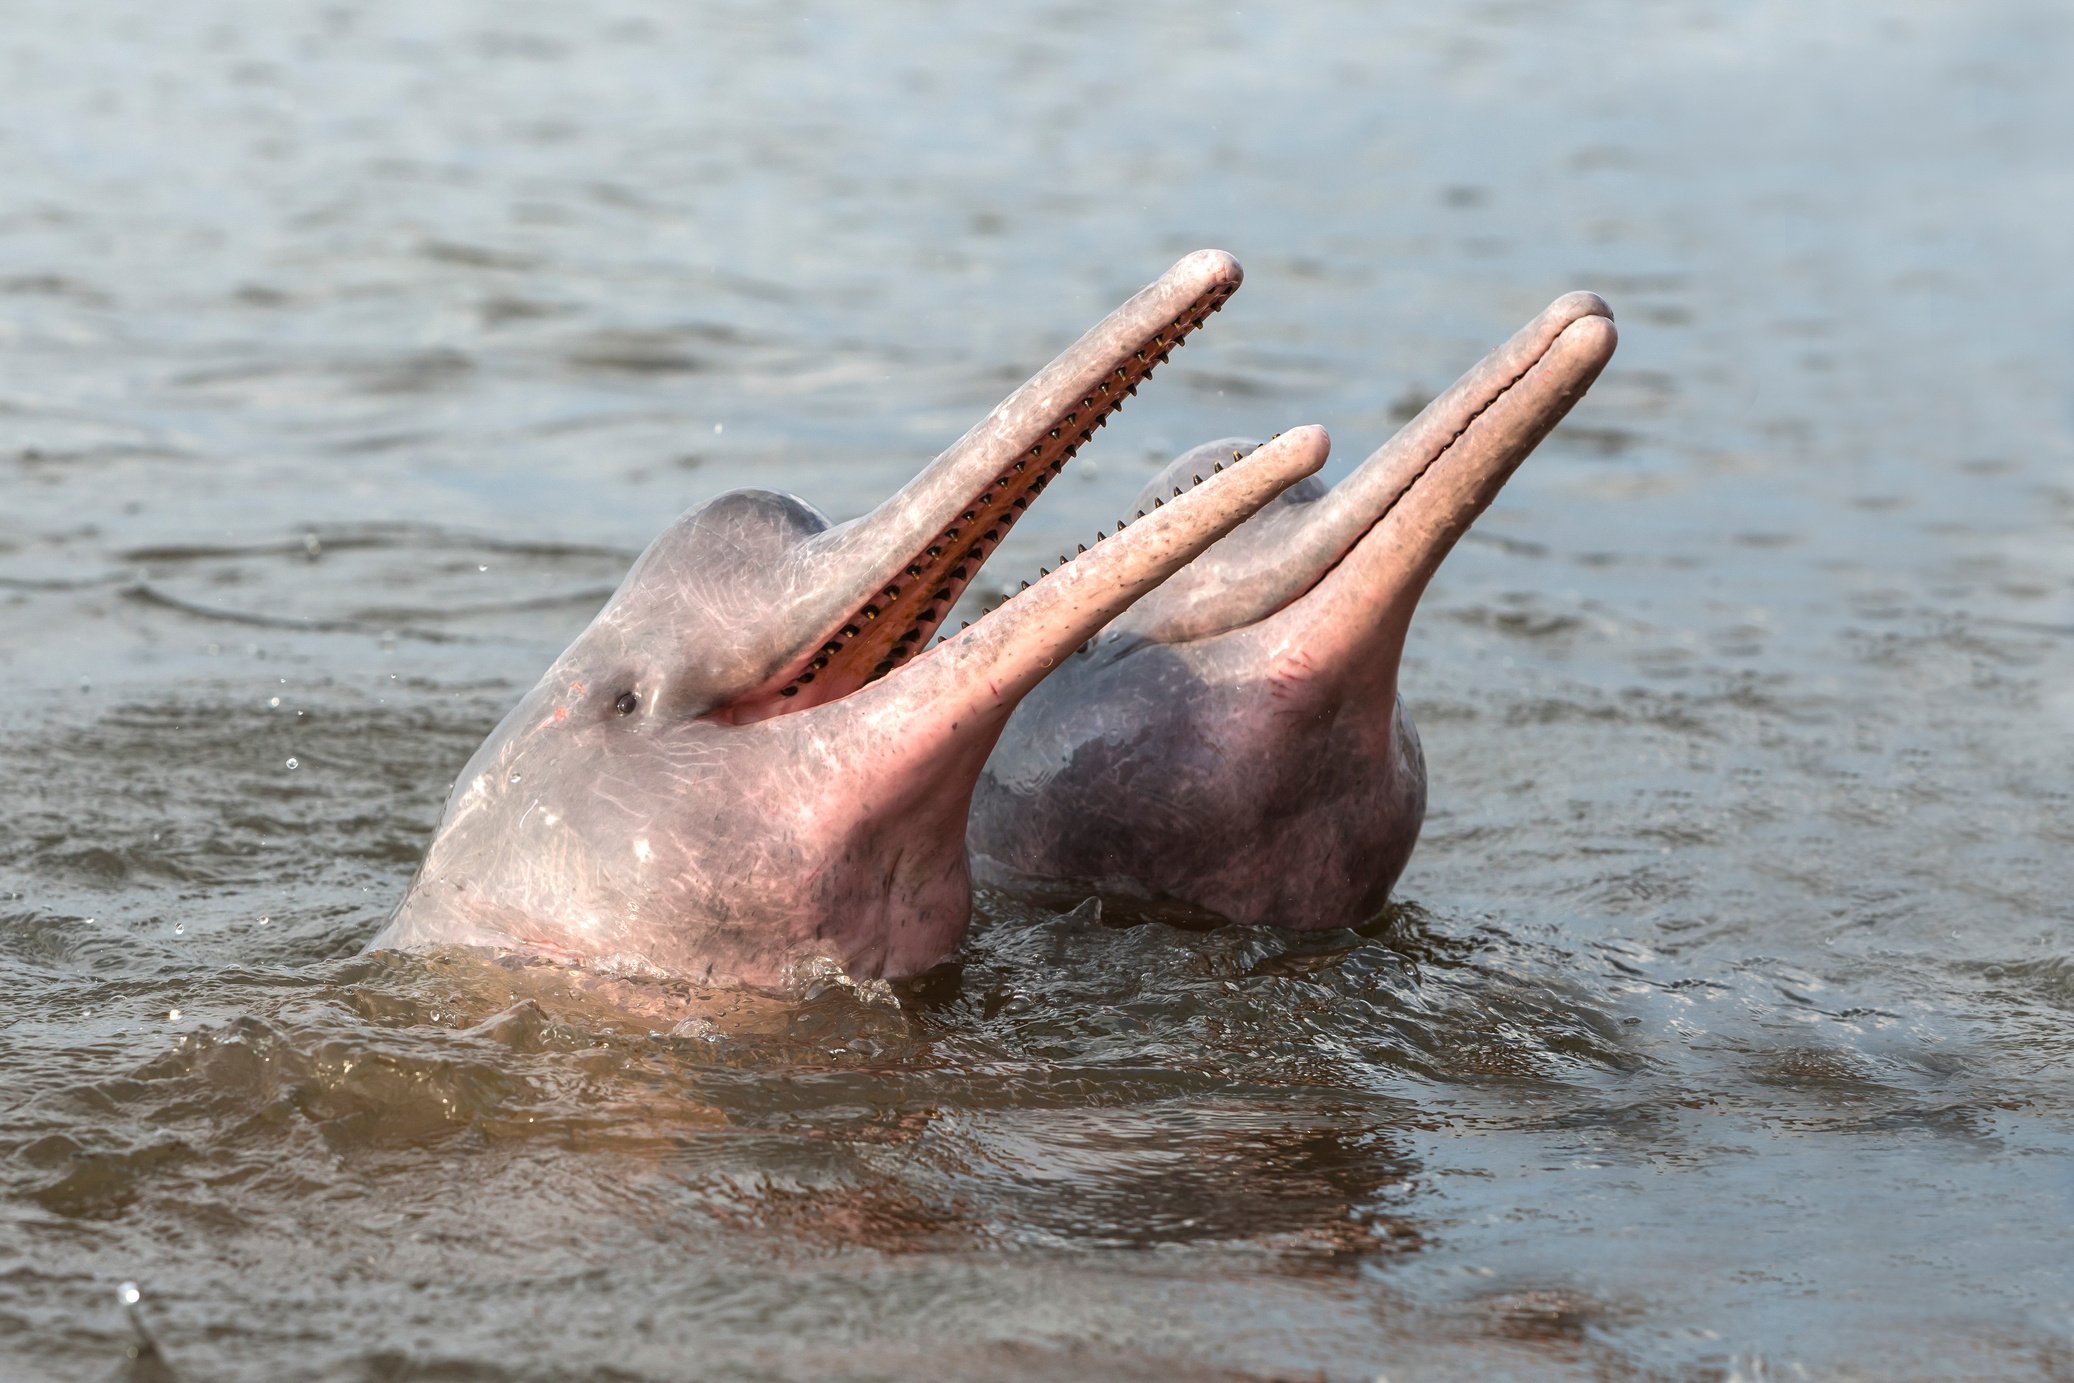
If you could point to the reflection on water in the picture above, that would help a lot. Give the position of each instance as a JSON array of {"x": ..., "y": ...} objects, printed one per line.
[{"x": 348, "y": 355}]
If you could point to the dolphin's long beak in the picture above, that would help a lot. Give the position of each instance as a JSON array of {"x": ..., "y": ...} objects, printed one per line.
[
  {"x": 1378, "y": 537},
  {"x": 882, "y": 583}
]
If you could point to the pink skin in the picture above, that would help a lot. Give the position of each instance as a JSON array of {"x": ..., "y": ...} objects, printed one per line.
[
  {"x": 1236, "y": 741},
  {"x": 745, "y": 767}
]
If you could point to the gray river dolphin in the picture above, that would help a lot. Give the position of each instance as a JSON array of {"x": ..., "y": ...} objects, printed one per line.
[
  {"x": 747, "y": 765},
  {"x": 1235, "y": 741}
]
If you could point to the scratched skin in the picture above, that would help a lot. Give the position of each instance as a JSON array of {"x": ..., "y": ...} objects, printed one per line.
[
  {"x": 1235, "y": 741},
  {"x": 746, "y": 767}
]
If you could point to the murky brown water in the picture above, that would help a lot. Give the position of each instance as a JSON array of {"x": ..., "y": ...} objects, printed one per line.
[{"x": 347, "y": 355}]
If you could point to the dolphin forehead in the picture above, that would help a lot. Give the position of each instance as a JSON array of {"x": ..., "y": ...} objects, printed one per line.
[{"x": 709, "y": 610}]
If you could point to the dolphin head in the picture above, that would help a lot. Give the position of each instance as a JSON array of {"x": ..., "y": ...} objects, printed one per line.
[
  {"x": 748, "y": 762},
  {"x": 1235, "y": 741}
]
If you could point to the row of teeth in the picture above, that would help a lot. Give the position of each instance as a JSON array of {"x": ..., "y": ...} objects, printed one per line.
[
  {"x": 1035, "y": 473},
  {"x": 1081, "y": 549}
]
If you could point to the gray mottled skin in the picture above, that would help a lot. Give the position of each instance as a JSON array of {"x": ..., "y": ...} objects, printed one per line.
[
  {"x": 1236, "y": 741},
  {"x": 747, "y": 765}
]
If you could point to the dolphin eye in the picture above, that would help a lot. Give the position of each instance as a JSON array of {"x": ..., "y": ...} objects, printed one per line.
[{"x": 627, "y": 703}]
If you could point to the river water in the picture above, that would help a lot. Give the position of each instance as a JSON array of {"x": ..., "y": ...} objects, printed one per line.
[{"x": 349, "y": 351}]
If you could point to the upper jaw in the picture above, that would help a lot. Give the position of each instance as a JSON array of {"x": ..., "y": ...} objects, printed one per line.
[{"x": 881, "y": 584}]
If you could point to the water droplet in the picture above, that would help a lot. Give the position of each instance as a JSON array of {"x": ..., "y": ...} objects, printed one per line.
[
  {"x": 295, "y": 763},
  {"x": 482, "y": 566},
  {"x": 172, "y": 1015},
  {"x": 517, "y": 777},
  {"x": 273, "y": 701},
  {"x": 702, "y": 1029},
  {"x": 718, "y": 428},
  {"x": 128, "y": 1294},
  {"x": 179, "y": 929},
  {"x": 264, "y": 920}
]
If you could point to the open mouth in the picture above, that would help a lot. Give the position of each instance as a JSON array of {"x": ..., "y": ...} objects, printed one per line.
[{"x": 1032, "y": 436}]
